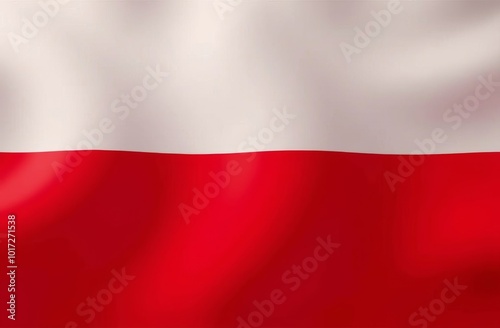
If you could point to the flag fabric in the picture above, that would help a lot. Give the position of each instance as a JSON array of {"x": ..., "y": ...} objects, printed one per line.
[{"x": 250, "y": 164}]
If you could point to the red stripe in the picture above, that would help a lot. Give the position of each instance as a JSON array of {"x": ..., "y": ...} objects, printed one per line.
[{"x": 121, "y": 210}]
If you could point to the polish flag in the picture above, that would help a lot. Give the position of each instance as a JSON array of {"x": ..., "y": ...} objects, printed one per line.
[{"x": 227, "y": 163}]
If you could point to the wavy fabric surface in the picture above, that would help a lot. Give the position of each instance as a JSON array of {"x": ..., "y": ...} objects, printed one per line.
[{"x": 228, "y": 163}]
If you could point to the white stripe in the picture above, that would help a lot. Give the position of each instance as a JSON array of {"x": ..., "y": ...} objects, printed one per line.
[{"x": 227, "y": 78}]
